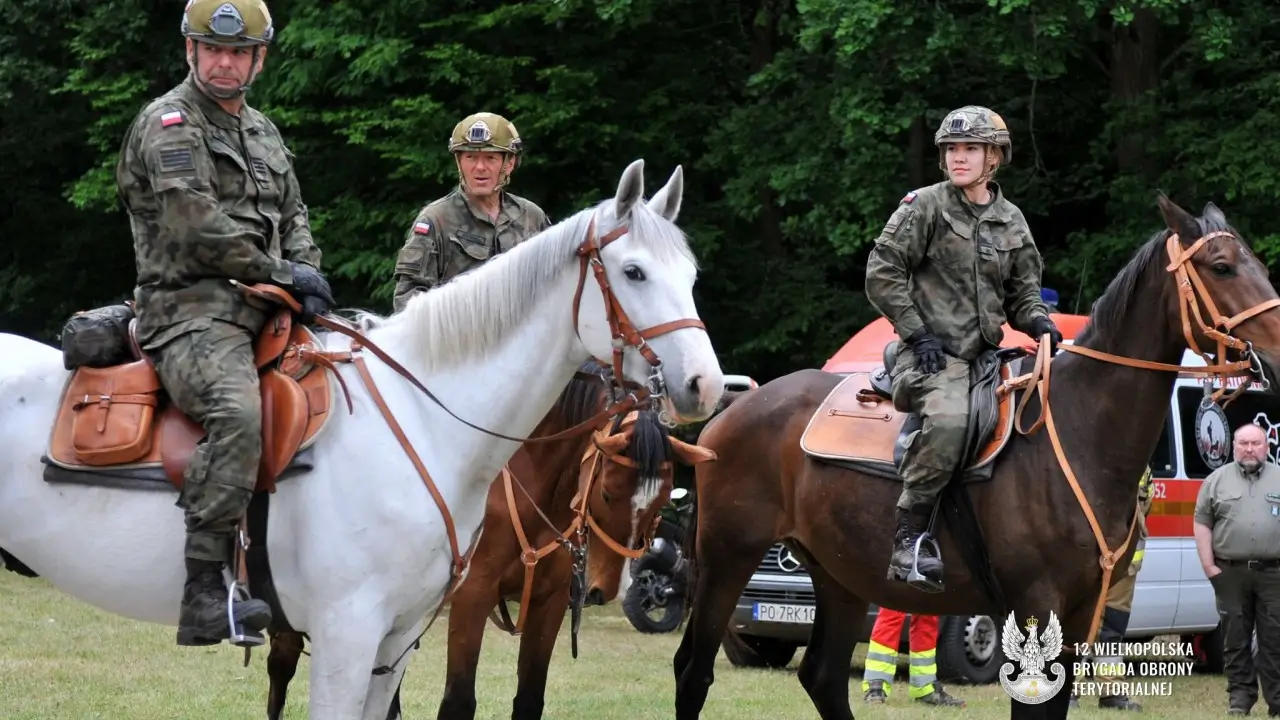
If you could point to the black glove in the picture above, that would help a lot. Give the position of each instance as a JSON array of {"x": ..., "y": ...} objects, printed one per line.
[
  {"x": 1042, "y": 325},
  {"x": 928, "y": 352},
  {"x": 313, "y": 305},
  {"x": 308, "y": 281},
  {"x": 312, "y": 290}
]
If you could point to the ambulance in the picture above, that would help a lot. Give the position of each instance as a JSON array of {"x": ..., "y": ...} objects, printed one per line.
[{"x": 1172, "y": 596}]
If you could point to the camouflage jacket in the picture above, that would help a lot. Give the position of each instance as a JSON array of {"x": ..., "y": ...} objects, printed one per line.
[
  {"x": 449, "y": 237},
  {"x": 211, "y": 197},
  {"x": 957, "y": 269}
]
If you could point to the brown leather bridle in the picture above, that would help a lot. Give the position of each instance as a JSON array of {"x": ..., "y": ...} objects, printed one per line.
[
  {"x": 622, "y": 331},
  {"x": 1191, "y": 291},
  {"x": 625, "y": 399},
  {"x": 583, "y": 520}
]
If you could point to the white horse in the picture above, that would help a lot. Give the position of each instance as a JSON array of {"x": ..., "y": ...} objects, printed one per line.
[{"x": 359, "y": 551}]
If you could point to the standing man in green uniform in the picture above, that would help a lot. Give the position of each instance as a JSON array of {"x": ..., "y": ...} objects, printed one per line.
[
  {"x": 475, "y": 222},
  {"x": 212, "y": 197},
  {"x": 1115, "y": 619},
  {"x": 1237, "y": 529},
  {"x": 954, "y": 260}
]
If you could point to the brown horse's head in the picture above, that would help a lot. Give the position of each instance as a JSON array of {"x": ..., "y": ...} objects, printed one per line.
[
  {"x": 1235, "y": 296},
  {"x": 1217, "y": 296},
  {"x": 627, "y": 474}
]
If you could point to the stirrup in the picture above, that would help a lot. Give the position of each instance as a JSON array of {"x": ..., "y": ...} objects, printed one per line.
[
  {"x": 917, "y": 579},
  {"x": 240, "y": 637}
]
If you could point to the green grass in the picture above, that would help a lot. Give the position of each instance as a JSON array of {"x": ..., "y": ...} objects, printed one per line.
[{"x": 60, "y": 658}]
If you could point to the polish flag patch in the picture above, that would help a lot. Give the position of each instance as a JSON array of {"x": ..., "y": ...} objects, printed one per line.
[
  {"x": 421, "y": 228},
  {"x": 171, "y": 118}
]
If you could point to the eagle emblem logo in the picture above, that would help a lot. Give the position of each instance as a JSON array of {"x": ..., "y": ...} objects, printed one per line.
[{"x": 1032, "y": 653}]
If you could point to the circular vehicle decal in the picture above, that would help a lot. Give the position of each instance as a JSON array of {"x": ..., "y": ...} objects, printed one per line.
[{"x": 1213, "y": 438}]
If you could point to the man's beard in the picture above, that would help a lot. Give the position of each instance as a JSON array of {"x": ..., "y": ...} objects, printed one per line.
[{"x": 1250, "y": 465}]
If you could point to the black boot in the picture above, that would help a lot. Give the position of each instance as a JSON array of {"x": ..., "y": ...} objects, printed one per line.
[
  {"x": 203, "y": 618},
  {"x": 911, "y": 526}
]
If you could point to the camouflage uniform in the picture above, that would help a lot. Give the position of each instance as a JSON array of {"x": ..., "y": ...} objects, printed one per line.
[
  {"x": 947, "y": 274},
  {"x": 212, "y": 197},
  {"x": 450, "y": 236}
]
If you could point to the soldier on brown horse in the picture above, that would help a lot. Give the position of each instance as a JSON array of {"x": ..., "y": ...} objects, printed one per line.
[
  {"x": 558, "y": 530},
  {"x": 1042, "y": 519}
]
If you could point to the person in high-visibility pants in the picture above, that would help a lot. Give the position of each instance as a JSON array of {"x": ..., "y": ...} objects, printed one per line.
[
  {"x": 1115, "y": 618},
  {"x": 882, "y": 660}
]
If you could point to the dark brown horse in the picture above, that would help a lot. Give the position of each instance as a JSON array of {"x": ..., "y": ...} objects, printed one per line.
[
  {"x": 1036, "y": 534},
  {"x": 623, "y": 471}
]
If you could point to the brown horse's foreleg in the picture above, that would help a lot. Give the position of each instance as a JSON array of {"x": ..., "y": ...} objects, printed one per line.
[
  {"x": 545, "y": 616},
  {"x": 282, "y": 663},
  {"x": 837, "y": 625},
  {"x": 468, "y": 613},
  {"x": 719, "y": 584}
]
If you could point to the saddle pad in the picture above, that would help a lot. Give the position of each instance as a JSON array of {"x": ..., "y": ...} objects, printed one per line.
[{"x": 846, "y": 428}]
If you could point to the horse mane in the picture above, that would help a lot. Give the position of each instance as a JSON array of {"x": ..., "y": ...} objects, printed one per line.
[
  {"x": 472, "y": 313},
  {"x": 582, "y": 397},
  {"x": 650, "y": 444},
  {"x": 1107, "y": 317}
]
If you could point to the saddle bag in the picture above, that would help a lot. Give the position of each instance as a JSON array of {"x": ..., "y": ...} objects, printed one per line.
[
  {"x": 114, "y": 412},
  {"x": 97, "y": 338}
]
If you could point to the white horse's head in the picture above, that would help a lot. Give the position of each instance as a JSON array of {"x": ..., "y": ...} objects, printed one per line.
[{"x": 650, "y": 271}]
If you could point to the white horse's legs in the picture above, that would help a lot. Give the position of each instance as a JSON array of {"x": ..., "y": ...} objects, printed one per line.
[
  {"x": 382, "y": 688},
  {"x": 344, "y": 651}
]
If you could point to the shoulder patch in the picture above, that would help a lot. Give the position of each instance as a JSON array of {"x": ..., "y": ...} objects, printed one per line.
[
  {"x": 173, "y": 117},
  {"x": 421, "y": 227},
  {"x": 176, "y": 158},
  {"x": 909, "y": 198}
]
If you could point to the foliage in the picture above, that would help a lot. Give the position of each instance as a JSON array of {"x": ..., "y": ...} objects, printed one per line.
[{"x": 800, "y": 123}]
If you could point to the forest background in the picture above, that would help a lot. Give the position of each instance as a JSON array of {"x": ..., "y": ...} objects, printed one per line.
[{"x": 800, "y": 125}]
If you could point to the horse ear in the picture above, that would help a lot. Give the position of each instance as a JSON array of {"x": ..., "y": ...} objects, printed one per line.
[
  {"x": 692, "y": 454},
  {"x": 666, "y": 202},
  {"x": 630, "y": 189},
  {"x": 1178, "y": 220},
  {"x": 1214, "y": 215}
]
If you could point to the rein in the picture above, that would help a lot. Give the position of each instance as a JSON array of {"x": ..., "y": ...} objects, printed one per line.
[
  {"x": 1189, "y": 286},
  {"x": 624, "y": 335},
  {"x": 583, "y": 521}
]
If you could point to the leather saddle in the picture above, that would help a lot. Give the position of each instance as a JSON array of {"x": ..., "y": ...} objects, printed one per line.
[
  {"x": 856, "y": 425},
  {"x": 115, "y": 425}
]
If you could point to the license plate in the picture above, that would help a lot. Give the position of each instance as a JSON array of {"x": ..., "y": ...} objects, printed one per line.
[{"x": 777, "y": 612}]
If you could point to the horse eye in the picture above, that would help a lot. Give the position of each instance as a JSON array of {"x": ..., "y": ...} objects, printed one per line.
[
  {"x": 634, "y": 273},
  {"x": 1221, "y": 269},
  {"x": 604, "y": 495}
]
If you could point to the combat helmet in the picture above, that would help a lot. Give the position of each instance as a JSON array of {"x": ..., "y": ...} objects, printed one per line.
[
  {"x": 976, "y": 124},
  {"x": 486, "y": 132},
  {"x": 234, "y": 23}
]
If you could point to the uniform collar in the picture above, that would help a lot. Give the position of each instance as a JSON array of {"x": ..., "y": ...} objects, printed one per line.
[
  {"x": 508, "y": 209},
  {"x": 213, "y": 111},
  {"x": 999, "y": 208}
]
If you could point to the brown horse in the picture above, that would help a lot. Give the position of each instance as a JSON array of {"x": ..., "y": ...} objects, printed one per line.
[
  {"x": 625, "y": 474},
  {"x": 1039, "y": 538}
]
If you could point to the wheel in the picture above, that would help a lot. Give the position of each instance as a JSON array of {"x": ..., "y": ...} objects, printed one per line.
[
  {"x": 1207, "y": 648},
  {"x": 757, "y": 652},
  {"x": 647, "y": 606},
  {"x": 969, "y": 649}
]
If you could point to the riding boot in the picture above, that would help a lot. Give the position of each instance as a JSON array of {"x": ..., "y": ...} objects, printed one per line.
[
  {"x": 911, "y": 525},
  {"x": 203, "y": 617}
]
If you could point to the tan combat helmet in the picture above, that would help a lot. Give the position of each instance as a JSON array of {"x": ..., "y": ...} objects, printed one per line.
[
  {"x": 230, "y": 23},
  {"x": 486, "y": 132},
  {"x": 235, "y": 23}
]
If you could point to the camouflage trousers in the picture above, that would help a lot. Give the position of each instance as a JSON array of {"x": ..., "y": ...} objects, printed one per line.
[
  {"x": 932, "y": 452},
  {"x": 210, "y": 375}
]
